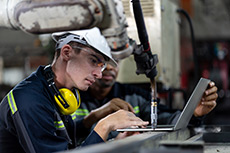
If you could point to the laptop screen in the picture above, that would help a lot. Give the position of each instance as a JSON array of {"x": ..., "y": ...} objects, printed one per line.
[{"x": 191, "y": 104}]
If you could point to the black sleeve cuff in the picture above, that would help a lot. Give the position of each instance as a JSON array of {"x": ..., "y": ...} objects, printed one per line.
[
  {"x": 196, "y": 121},
  {"x": 81, "y": 129},
  {"x": 93, "y": 138}
]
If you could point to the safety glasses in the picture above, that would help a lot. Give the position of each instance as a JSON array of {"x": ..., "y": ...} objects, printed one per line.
[{"x": 93, "y": 59}]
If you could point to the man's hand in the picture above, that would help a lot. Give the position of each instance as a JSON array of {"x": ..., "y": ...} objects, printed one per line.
[
  {"x": 112, "y": 106},
  {"x": 119, "y": 119},
  {"x": 208, "y": 101}
]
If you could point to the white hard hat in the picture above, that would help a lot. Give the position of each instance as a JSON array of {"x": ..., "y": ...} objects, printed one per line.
[{"x": 90, "y": 37}]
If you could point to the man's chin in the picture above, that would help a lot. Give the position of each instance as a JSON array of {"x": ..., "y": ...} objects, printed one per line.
[
  {"x": 84, "y": 88},
  {"x": 106, "y": 84}
]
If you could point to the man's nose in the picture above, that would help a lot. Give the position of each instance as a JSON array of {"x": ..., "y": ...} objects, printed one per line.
[
  {"x": 109, "y": 67},
  {"x": 97, "y": 73}
]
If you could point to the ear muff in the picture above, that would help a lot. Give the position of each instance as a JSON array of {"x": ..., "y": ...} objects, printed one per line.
[
  {"x": 67, "y": 101},
  {"x": 70, "y": 99}
]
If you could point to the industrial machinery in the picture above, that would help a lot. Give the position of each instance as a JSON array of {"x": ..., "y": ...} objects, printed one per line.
[{"x": 47, "y": 16}]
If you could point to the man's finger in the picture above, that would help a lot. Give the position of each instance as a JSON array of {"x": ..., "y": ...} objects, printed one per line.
[
  {"x": 209, "y": 103},
  {"x": 124, "y": 105},
  {"x": 210, "y": 97}
]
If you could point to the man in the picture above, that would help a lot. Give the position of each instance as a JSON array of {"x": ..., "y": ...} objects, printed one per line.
[
  {"x": 34, "y": 116},
  {"x": 108, "y": 96}
]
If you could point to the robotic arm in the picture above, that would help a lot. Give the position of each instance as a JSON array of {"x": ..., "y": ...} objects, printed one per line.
[{"x": 47, "y": 16}]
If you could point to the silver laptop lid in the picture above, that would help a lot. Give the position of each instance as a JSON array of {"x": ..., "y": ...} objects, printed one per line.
[{"x": 191, "y": 104}]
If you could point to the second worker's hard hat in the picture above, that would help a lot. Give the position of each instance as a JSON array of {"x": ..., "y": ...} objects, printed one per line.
[{"x": 90, "y": 37}]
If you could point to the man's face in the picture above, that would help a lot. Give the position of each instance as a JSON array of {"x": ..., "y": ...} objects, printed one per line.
[
  {"x": 109, "y": 76},
  {"x": 84, "y": 68}
]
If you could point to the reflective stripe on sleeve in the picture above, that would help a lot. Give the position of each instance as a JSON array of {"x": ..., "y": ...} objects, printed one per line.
[
  {"x": 73, "y": 116},
  {"x": 136, "y": 109},
  {"x": 81, "y": 112},
  {"x": 11, "y": 102},
  {"x": 59, "y": 125}
]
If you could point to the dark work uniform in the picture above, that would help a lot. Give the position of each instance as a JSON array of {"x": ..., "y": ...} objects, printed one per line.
[
  {"x": 30, "y": 121},
  {"x": 140, "y": 100}
]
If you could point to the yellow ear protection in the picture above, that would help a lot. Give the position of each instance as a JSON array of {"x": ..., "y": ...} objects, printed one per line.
[{"x": 65, "y": 98}]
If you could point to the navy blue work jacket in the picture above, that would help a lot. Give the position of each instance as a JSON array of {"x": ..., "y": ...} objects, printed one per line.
[{"x": 30, "y": 121}]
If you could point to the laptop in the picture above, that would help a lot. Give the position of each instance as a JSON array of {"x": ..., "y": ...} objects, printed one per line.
[{"x": 186, "y": 114}]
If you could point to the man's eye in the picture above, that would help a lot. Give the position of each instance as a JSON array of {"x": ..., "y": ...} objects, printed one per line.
[{"x": 93, "y": 61}]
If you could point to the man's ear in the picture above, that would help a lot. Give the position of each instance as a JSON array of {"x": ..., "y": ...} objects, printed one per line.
[{"x": 66, "y": 51}]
